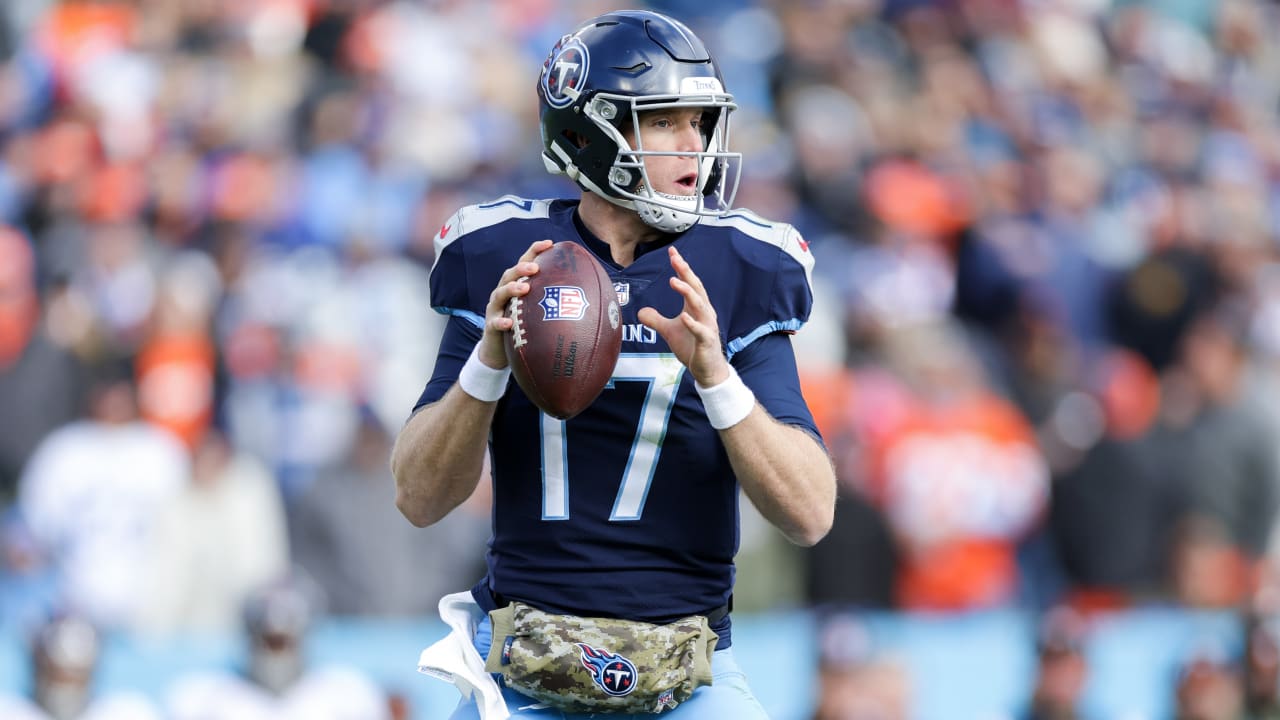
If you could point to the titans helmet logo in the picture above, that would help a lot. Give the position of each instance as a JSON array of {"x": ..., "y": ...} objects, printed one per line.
[
  {"x": 565, "y": 72},
  {"x": 614, "y": 674}
]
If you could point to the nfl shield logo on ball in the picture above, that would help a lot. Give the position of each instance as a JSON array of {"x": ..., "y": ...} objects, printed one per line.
[{"x": 563, "y": 302}]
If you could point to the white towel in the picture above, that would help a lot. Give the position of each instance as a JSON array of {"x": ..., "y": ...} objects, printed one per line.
[{"x": 454, "y": 659}]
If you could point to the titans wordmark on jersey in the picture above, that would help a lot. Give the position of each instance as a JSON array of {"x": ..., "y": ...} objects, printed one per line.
[{"x": 630, "y": 508}]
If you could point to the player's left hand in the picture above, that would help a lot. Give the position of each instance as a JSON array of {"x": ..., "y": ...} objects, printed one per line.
[{"x": 694, "y": 334}]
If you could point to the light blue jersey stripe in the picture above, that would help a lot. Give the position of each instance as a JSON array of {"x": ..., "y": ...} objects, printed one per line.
[
  {"x": 738, "y": 344},
  {"x": 473, "y": 318}
]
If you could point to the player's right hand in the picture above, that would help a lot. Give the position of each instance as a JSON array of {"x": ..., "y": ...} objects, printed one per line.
[{"x": 492, "y": 352}]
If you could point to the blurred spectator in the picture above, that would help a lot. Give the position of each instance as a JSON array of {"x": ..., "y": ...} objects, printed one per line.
[
  {"x": 64, "y": 663},
  {"x": 276, "y": 682},
  {"x": 308, "y": 338},
  {"x": 1113, "y": 511},
  {"x": 1062, "y": 668},
  {"x": 91, "y": 499},
  {"x": 220, "y": 538},
  {"x": 1220, "y": 454},
  {"x": 349, "y": 537},
  {"x": 176, "y": 360},
  {"x": 1152, "y": 306},
  {"x": 40, "y": 380},
  {"x": 292, "y": 377},
  {"x": 856, "y": 563},
  {"x": 955, "y": 470}
]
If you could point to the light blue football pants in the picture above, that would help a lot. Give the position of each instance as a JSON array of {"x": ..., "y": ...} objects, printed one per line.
[{"x": 728, "y": 696}]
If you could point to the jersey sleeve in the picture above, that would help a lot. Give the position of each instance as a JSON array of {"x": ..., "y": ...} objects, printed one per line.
[
  {"x": 460, "y": 337},
  {"x": 475, "y": 246},
  {"x": 472, "y": 250},
  {"x": 768, "y": 367},
  {"x": 778, "y": 293},
  {"x": 793, "y": 290},
  {"x": 451, "y": 291},
  {"x": 450, "y": 295}
]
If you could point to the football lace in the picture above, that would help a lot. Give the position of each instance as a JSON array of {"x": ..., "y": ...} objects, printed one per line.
[{"x": 516, "y": 309}]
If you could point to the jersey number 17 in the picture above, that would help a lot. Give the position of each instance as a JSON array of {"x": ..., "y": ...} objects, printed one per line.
[{"x": 662, "y": 372}]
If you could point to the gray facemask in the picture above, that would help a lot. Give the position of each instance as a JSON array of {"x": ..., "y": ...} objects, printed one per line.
[
  {"x": 63, "y": 701},
  {"x": 276, "y": 671}
]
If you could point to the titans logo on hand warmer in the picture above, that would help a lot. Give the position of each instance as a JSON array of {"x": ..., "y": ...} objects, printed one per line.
[{"x": 614, "y": 674}]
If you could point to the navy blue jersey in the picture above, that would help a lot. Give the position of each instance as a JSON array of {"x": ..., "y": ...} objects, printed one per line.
[{"x": 629, "y": 509}]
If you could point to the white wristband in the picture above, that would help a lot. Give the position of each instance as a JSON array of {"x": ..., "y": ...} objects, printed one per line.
[
  {"x": 481, "y": 381},
  {"x": 728, "y": 403}
]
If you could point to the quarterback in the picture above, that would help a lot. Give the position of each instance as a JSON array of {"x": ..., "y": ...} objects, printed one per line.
[{"x": 610, "y": 567}]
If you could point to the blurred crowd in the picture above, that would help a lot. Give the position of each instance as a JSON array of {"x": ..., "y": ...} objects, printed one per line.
[{"x": 1045, "y": 352}]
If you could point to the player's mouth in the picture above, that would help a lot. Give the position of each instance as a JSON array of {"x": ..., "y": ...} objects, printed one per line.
[{"x": 688, "y": 182}]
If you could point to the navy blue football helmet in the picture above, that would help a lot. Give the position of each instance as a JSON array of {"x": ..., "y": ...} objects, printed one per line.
[{"x": 596, "y": 82}]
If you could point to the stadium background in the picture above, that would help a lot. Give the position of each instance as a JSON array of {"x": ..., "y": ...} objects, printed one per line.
[{"x": 1044, "y": 356}]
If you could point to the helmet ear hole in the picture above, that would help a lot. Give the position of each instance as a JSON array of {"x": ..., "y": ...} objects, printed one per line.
[
  {"x": 707, "y": 126},
  {"x": 622, "y": 178}
]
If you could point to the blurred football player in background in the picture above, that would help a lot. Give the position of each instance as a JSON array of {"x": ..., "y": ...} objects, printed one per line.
[
  {"x": 628, "y": 511},
  {"x": 1209, "y": 686},
  {"x": 1262, "y": 659},
  {"x": 277, "y": 683},
  {"x": 856, "y": 679},
  {"x": 1062, "y": 669},
  {"x": 64, "y": 660}
]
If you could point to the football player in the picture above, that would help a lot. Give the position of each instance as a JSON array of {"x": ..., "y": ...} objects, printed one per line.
[{"x": 630, "y": 509}]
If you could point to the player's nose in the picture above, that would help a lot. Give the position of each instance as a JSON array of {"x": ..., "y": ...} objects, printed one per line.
[{"x": 689, "y": 140}]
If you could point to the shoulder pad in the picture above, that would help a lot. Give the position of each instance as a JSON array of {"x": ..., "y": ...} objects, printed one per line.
[
  {"x": 781, "y": 235},
  {"x": 482, "y": 215}
]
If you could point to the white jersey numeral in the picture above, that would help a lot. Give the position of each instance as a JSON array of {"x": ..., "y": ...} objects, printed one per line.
[{"x": 662, "y": 372}]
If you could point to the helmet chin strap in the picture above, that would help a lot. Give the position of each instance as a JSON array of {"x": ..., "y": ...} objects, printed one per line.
[{"x": 666, "y": 218}]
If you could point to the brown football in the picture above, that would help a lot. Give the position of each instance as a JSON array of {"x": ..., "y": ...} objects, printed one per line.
[{"x": 567, "y": 334}]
